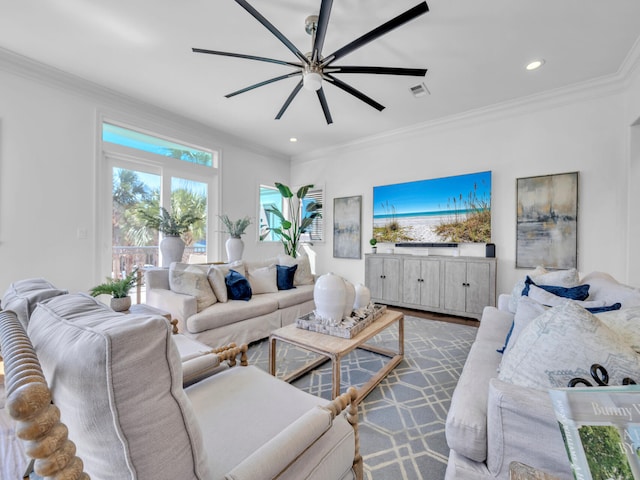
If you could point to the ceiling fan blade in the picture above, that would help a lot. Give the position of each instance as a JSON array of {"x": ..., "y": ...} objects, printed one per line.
[
  {"x": 325, "y": 106},
  {"x": 411, "y": 72},
  {"x": 269, "y": 26},
  {"x": 356, "y": 93},
  {"x": 262, "y": 84},
  {"x": 248, "y": 57},
  {"x": 289, "y": 100},
  {"x": 376, "y": 32},
  {"x": 321, "y": 30}
]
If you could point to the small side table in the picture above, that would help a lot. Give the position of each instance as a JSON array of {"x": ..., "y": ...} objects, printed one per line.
[
  {"x": 520, "y": 471},
  {"x": 141, "y": 308}
]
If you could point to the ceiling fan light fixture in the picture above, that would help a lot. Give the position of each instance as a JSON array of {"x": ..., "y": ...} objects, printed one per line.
[{"x": 312, "y": 81}]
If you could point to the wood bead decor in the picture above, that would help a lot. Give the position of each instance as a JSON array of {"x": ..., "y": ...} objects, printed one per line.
[{"x": 29, "y": 403}]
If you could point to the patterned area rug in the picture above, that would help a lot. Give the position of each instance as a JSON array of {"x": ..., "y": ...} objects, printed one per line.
[{"x": 402, "y": 419}]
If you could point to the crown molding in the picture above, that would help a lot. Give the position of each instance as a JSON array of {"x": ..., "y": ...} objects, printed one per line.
[
  {"x": 25, "y": 67},
  {"x": 584, "y": 91}
]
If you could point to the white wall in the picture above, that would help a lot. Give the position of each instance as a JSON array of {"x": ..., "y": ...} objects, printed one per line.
[
  {"x": 48, "y": 152},
  {"x": 586, "y": 134}
]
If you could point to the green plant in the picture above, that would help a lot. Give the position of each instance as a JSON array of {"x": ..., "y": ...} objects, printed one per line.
[
  {"x": 373, "y": 242},
  {"x": 166, "y": 223},
  {"x": 294, "y": 224},
  {"x": 237, "y": 228},
  {"x": 117, "y": 288}
]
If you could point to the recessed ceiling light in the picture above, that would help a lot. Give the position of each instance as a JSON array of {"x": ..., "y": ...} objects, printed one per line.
[
  {"x": 293, "y": 139},
  {"x": 534, "y": 65}
]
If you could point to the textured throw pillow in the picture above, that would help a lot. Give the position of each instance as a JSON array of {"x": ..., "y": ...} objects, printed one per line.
[
  {"x": 238, "y": 287},
  {"x": 285, "y": 276},
  {"x": 120, "y": 377},
  {"x": 303, "y": 275},
  {"x": 216, "y": 276},
  {"x": 563, "y": 278},
  {"x": 626, "y": 323},
  {"x": 528, "y": 309},
  {"x": 263, "y": 279},
  {"x": 562, "y": 344},
  {"x": 191, "y": 280}
]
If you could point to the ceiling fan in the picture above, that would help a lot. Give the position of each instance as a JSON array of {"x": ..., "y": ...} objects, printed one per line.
[{"x": 314, "y": 67}]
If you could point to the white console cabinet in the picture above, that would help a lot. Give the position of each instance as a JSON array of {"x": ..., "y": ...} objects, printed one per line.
[{"x": 460, "y": 286}]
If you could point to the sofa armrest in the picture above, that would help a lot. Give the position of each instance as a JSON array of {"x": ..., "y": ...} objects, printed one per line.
[
  {"x": 180, "y": 306},
  {"x": 275, "y": 456},
  {"x": 522, "y": 426},
  {"x": 503, "y": 301}
]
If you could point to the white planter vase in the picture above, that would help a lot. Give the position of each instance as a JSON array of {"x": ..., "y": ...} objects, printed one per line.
[
  {"x": 350, "y": 291},
  {"x": 171, "y": 248},
  {"x": 363, "y": 296},
  {"x": 120, "y": 304},
  {"x": 235, "y": 247},
  {"x": 330, "y": 295}
]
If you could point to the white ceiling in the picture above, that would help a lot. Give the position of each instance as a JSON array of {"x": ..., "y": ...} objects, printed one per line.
[{"x": 475, "y": 51}]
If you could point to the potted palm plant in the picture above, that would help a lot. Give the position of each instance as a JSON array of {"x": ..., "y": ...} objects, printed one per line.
[
  {"x": 118, "y": 289},
  {"x": 172, "y": 226},
  {"x": 234, "y": 244},
  {"x": 294, "y": 223}
]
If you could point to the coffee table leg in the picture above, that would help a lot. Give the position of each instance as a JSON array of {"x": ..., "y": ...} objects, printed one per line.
[
  {"x": 272, "y": 356},
  {"x": 335, "y": 362}
]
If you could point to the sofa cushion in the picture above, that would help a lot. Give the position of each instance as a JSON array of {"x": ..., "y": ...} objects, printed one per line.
[
  {"x": 216, "y": 275},
  {"x": 263, "y": 279},
  {"x": 119, "y": 378},
  {"x": 233, "y": 311},
  {"x": 22, "y": 297},
  {"x": 331, "y": 457},
  {"x": 295, "y": 296},
  {"x": 562, "y": 344},
  {"x": 303, "y": 275},
  {"x": 285, "y": 276},
  {"x": 192, "y": 280},
  {"x": 238, "y": 287}
]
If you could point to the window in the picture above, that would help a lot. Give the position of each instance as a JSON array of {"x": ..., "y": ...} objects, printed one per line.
[
  {"x": 270, "y": 197},
  {"x": 147, "y": 171}
]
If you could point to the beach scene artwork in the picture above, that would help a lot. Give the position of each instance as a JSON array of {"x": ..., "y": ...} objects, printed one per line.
[
  {"x": 440, "y": 210},
  {"x": 547, "y": 221}
]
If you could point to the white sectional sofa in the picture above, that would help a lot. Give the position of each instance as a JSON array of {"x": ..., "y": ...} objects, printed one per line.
[
  {"x": 224, "y": 319},
  {"x": 501, "y": 410}
]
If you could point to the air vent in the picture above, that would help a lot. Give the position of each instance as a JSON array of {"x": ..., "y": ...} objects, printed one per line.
[{"x": 420, "y": 90}]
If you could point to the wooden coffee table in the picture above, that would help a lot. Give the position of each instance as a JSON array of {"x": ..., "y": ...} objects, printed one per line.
[{"x": 335, "y": 348}]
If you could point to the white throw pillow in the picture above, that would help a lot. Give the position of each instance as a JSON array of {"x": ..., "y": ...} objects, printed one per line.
[
  {"x": 192, "y": 280},
  {"x": 562, "y": 344},
  {"x": 263, "y": 280},
  {"x": 542, "y": 276},
  {"x": 528, "y": 310},
  {"x": 604, "y": 287},
  {"x": 303, "y": 275},
  {"x": 216, "y": 276}
]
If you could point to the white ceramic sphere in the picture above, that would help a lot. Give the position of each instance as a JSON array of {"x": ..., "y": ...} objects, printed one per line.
[
  {"x": 363, "y": 296},
  {"x": 350, "y": 298},
  {"x": 330, "y": 295}
]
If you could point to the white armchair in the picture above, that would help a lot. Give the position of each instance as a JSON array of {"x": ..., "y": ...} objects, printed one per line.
[{"x": 126, "y": 409}]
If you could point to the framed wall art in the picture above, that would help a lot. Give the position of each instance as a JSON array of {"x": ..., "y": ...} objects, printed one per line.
[
  {"x": 347, "y": 213},
  {"x": 547, "y": 221}
]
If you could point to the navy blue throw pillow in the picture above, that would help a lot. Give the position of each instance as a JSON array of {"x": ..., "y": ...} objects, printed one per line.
[
  {"x": 238, "y": 287},
  {"x": 615, "y": 306},
  {"x": 285, "y": 276},
  {"x": 581, "y": 292}
]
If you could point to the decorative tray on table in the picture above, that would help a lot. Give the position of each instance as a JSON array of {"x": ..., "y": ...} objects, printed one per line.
[{"x": 349, "y": 327}]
